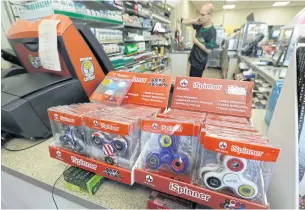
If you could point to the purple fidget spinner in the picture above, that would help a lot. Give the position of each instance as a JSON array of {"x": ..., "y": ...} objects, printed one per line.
[
  {"x": 169, "y": 155},
  {"x": 73, "y": 137},
  {"x": 111, "y": 145}
]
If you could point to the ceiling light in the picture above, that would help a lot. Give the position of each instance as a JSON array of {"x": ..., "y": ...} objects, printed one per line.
[
  {"x": 281, "y": 3},
  {"x": 230, "y": 0},
  {"x": 229, "y": 6}
]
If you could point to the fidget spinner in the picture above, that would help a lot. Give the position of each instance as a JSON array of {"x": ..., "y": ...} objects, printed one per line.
[
  {"x": 111, "y": 145},
  {"x": 73, "y": 137},
  {"x": 232, "y": 204},
  {"x": 229, "y": 174},
  {"x": 169, "y": 155}
]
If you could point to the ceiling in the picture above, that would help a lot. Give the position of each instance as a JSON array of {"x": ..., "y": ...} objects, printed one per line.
[{"x": 245, "y": 4}]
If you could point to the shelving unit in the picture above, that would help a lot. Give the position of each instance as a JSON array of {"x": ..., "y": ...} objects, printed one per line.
[
  {"x": 133, "y": 12},
  {"x": 87, "y": 17},
  {"x": 136, "y": 27}
]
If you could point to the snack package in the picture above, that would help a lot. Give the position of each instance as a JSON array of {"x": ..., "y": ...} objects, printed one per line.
[
  {"x": 114, "y": 137},
  {"x": 112, "y": 89},
  {"x": 67, "y": 126},
  {"x": 236, "y": 166},
  {"x": 169, "y": 147}
]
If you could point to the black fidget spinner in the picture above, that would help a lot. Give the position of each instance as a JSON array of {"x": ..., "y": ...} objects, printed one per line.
[{"x": 73, "y": 138}]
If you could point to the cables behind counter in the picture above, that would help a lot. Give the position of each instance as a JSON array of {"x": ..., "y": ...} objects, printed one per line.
[
  {"x": 53, "y": 188},
  {"x": 18, "y": 150}
]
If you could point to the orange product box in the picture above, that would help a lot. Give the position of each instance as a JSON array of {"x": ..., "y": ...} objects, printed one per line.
[
  {"x": 247, "y": 150},
  {"x": 148, "y": 90},
  {"x": 187, "y": 112},
  {"x": 246, "y": 127},
  {"x": 233, "y": 136},
  {"x": 213, "y": 95},
  {"x": 168, "y": 147},
  {"x": 234, "y": 119}
]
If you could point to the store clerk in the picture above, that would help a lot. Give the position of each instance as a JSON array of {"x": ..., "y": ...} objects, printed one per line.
[{"x": 204, "y": 39}]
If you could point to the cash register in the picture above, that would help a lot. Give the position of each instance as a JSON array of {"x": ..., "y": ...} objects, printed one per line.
[{"x": 26, "y": 95}]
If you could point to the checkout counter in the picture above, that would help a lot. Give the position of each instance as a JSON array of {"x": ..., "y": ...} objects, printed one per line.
[{"x": 179, "y": 62}]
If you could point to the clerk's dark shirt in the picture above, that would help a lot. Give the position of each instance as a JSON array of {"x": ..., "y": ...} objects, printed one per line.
[{"x": 207, "y": 37}]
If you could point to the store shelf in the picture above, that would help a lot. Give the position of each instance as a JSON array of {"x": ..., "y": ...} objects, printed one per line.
[
  {"x": 133, "y": 12},
  {"x": 100, "y": 4},
  {"x": 115, "y": 54},
  {"x": 88, "y": 18},
  {"x": 109, "y": 6},
  {"x": 130, "y": 40},
  {"x": 136, "y": 27},
  {"x": 112, "y": 42},
  {"x": 162, "y": 19},
  {"x": 137, "y": 62},
  {"x": 155, "y": 67}
]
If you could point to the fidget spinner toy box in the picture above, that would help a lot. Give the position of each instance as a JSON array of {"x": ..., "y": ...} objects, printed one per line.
[
  {"x": 168, "y": 148},
  {"x": 237, "y": 164},
  {"x": 223, "y": 109},
  {"x": 67, "y": 126},
  {"x": 105, "y": 139},
  {"x": 113, "y": 138}
]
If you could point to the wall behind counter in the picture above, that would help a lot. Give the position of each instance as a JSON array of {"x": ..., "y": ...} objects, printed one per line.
[{"x": 271, "y": 16}]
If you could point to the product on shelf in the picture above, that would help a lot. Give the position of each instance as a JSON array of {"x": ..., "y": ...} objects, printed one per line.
[
  {"x": 116, "y": 3},
  {"x": 80, "y": 180},
  {"x": 112, "y": 48},
  {"x": 67, "y": 126},
  {"x": 237, "y": 165},
  {"x": 113, "y": 137},
  {"x": 134, "y": 48},
  {"x": 169, "y": 147},
  {"x": 108, "y": 35},
  {"x": 75, "y": 7},
  {"x": 112, "y": 89}
]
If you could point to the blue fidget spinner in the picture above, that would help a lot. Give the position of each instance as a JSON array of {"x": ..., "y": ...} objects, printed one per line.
[
  {"x": 110, "y": 144},
  {"x": 73, "y": 137},
  {"x": 169, "y": 155}
]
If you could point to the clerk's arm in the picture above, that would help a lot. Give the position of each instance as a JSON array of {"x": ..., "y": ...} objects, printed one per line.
[
  {"x": 208, "y": 45},
  {"x": 201, "y": 46},
  {"x": 190, "y": 22}
]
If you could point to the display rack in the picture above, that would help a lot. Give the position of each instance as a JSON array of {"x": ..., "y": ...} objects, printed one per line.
[
  {"x": 208, "y": 198},
  {"x": 109, "y": 171}
]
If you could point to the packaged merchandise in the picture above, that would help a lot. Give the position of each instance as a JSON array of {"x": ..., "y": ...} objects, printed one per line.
[
  {"x": 67, "y": 126},
  {"x": 114, "y": 137},
  {"x": 80, "y": 180},
  {"x": 169, "y": 147},
  {"x": 158, "y": 200},
  {"x": 225, "y": 97},
  {"x": 226, "y": 124},
  {"x": 226, "y": 118},
  {"x": 237, "y": 166},
  {"x": 112, "y": 89}
]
